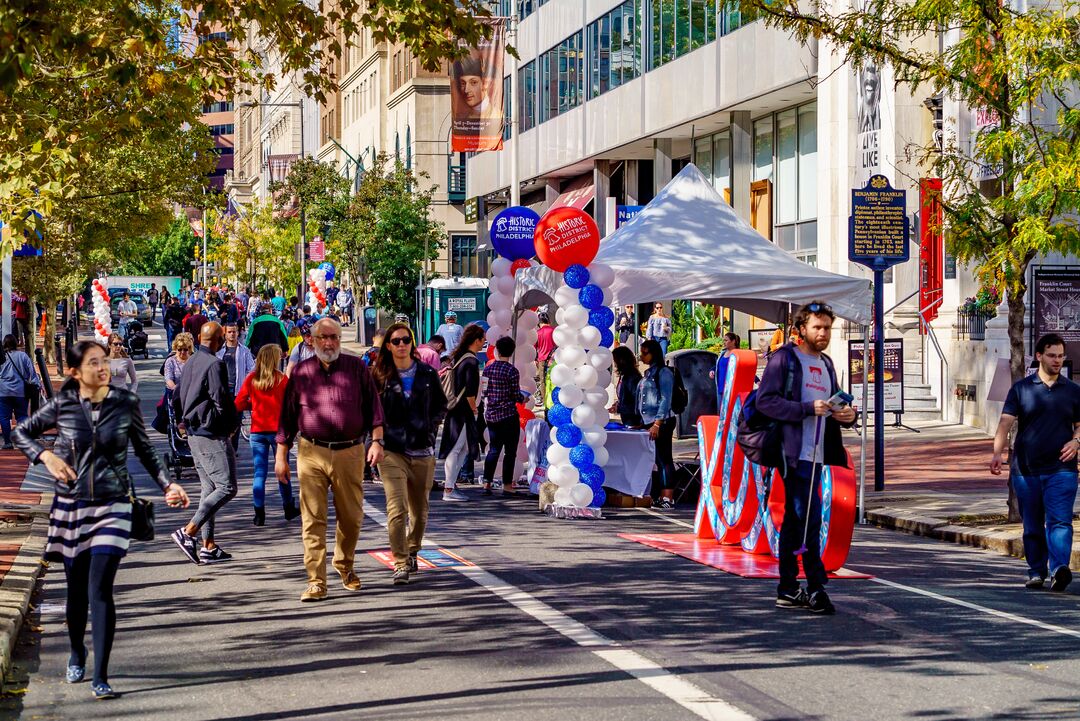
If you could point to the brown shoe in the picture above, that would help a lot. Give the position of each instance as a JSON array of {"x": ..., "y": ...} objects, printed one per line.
[
  {"x": 350, "y": 581},
  {"x": 314, "y": 592}
]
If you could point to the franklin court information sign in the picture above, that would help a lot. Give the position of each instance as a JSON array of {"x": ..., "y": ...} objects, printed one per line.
[{"x": 878, "y": 235}]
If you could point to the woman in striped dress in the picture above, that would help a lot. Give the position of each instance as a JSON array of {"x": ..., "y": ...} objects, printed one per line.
[{"x": 90, "y": 519}]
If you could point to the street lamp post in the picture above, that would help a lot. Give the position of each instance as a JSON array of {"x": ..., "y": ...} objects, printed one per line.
[{"x": 303, "y": 218}]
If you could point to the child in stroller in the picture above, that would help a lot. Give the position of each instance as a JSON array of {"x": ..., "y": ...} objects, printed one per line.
[
  {"x": 137, "y": 341},
  {"x": 179, "y": 456}
]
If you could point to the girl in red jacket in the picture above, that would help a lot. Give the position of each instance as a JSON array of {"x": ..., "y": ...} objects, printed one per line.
[{"x": 262, "y": 393}]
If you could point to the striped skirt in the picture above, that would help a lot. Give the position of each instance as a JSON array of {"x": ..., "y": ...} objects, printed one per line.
[{"x": 76, "y": 527}]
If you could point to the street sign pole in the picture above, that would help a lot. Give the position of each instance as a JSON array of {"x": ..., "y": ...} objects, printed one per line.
[{"x": 879, "y": 380}]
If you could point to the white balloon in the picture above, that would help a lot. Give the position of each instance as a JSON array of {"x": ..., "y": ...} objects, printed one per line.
[
  {"x": 571, "y": 396},
  {"x": 566, "y": 297},
  {"x": 529, "y": 319},
  {"x": 607, "y": 296},
  {"x": 600, "y": 456},
  {"x": 583, "y": 416},
  {"x": 601, "y": 274},
  {"x": 500, "y": 267},
  {"x": 494, "y": 330},
  {"x": 560, "y": 316},
  {"x": 576, "y": 316},
  {"x": 581, "y": 495},
  {"x": 594, "y": 437},
  {"x": 505, "y": 284},
  {"x": 527, "y": 353},
  {"x": 585, "y": 376},
  {"x": 563, "y": 497},
  {"x": 601, "y": 416},
  {"x": 600, "y": 359},
  {"x": 525, "y": 338},
  {"x": 563, "y": 336},
  {"x": 553, "y": 437},
  {"x": 572, "y": 356},
  {"x": 589, "y": 337},
  {"x": 528, "y": 384},
  {"x": 564, "y": 474},
  {"x": 557, "y": 454},
  {"x": 596, "y": 397},
  {"x": 502, "y": 318},
  {"x": 603, "y": 378},
  {"x": 499, "y": 301},
  {"x": 562, "y": 375}
]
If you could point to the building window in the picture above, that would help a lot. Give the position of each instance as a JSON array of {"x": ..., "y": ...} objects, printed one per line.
[
  {"x": 465, "y": 261},
  {"x": 712, "y": 155},
  {"x": 785, "y": 151},
  {"x": 614, "y": 48},
  {"x": 528, "y": 7},
  {"x": 763, "y": 149},
  {"x": 221, "y": 129},
  {"x": 397, "y": 146},
  {"x": 213, "y": 37},
  {"x": 562, "y": 77},
  {"x": 527, "y": 101},
  {"x": 221, "y": 106},
  {"x": 679, "y": 27},
  {"x": 408, "y": 147},
  {"x": 507, "y": 115}
]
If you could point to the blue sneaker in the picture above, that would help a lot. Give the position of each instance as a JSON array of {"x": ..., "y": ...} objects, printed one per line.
[
  {"x": 75, "y": 673},
  {"x": 103, "y": 691}
]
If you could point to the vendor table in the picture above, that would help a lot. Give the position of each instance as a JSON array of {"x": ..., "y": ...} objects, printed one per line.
[{"x": 630, "y": 458}]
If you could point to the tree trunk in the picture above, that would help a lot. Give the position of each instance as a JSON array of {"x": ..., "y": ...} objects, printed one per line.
[
  {"x": 50, "y": 330},
  {"x": 1017, "y": 306}
]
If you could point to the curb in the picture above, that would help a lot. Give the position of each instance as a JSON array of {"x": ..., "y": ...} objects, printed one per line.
[
  {"x": 17, "y": 588},
  {"x": 1007, "y": 543}
]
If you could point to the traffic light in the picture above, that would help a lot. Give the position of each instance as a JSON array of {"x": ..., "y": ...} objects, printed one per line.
[{"x": 198, "y": 251}]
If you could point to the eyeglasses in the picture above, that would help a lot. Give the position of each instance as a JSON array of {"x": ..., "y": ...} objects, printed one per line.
[
  {"x": 118, "y": 345},
  {"x": 400, "y": 341},
  {"x": 819, "y": 308},
  {"x": 327, "y": 337}
]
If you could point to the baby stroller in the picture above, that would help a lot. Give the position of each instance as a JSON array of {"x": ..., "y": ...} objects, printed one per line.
[
  {"x": 137, "y": 342},
  {"x": 178, "y": 458}
]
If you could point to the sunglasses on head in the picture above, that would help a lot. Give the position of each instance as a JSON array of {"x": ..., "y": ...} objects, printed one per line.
[
  {"x": 819, "y": 308},
  {"x": 400, "y": 341}
]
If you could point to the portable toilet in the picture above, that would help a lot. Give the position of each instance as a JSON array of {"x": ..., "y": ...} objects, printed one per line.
[{"x": 465, "y": 296}]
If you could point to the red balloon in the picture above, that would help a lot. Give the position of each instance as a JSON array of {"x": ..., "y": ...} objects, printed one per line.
[
  {"x": 565, "y": 236},
  {"x": 519, "y": 264}
]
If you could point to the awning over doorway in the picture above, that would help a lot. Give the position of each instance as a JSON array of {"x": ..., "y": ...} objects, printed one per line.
[{"x": 576, "y": 195}]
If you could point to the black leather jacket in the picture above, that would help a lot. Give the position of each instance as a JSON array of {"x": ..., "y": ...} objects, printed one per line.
[
  {"x": 97, "y": 452},
  {"x": 410, "y": 424}
]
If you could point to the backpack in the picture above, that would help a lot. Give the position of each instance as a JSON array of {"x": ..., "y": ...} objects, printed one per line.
[
  {"x": 760, "y": 437},
  {"x": 680, "y": 399},
  {"x": 448, "y": 379}
]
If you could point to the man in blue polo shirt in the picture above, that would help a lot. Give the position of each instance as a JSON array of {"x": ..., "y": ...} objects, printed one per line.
[{"x": 1043, "y": 461}]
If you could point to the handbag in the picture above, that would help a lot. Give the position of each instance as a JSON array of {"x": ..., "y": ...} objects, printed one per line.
[
  {"x": 31, "y": 391},
  {"x": 142, "y": 516}
]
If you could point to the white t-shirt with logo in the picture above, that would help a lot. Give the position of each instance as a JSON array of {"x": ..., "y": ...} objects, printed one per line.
[{"x": 815, "y": 386}]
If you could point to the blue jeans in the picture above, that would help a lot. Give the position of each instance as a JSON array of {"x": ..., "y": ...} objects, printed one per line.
[
  {"x": 263, "y": 448},
  {"x": 663, "y": 344},
  {"x": 796, "y": 518},
  {"x": 9, "y": 405},
  {"x": 1046, "y": 505}
]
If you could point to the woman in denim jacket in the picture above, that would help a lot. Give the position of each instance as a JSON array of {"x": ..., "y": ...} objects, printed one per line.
[{"x": 654, "y": 405}]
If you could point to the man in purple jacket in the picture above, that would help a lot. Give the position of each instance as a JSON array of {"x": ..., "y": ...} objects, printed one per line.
[{"x": 795, "y": 389}]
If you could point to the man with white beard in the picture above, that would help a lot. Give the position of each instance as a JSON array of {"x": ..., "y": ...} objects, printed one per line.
[{"x": 340, "y": 408}]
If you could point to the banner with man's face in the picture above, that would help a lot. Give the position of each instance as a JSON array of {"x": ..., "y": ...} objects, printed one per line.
[{"x": 476, "y": 95}]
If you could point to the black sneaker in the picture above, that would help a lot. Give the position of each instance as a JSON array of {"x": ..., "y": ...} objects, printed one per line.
[
  {"x": 215, "y": 556},
  {"x": 798, "y": 599},
  {"x": 412, "y": 564},
  {"x": 292, "y": 511},
  {"x": 664, "y": 503},
  {"x": 188, "y": 544},
  {"x": 260, "y": 517},
  {"x": 1035, "y": 582},
  {"x": 1061, "y": 579},
  {"x": 401, "y": 577},
  {"x": 820, "y": 603}
]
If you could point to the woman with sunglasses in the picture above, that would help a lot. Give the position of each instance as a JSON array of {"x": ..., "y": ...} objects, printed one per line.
[
  {"x": 413, "y": 407},
  {"x": 90, "y": 518},
  {"x": 121, "y": 367},
  {"x": 655, "y": 391},
  {"x": 659, "y": 327}
]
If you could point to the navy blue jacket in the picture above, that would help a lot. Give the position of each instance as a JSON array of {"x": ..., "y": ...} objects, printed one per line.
[{"x": 790, "y": 410}]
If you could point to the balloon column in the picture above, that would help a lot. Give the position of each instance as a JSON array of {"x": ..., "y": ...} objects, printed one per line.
[
  {"x": 317, "y": 288},
  {"x": 567, "y": 240},
  {"x": 102, "y": 313}
]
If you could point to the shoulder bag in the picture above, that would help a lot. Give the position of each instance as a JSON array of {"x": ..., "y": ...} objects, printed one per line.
[{"x": 31, "y": 391}]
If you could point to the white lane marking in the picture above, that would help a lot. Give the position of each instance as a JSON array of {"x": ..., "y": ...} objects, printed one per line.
[
  {"x": 632, "y": 663},
  {"x": 930, "y": 594}
]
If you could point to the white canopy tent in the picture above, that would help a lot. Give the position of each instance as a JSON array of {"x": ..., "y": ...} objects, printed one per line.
[{"x": 688, "y": 243}]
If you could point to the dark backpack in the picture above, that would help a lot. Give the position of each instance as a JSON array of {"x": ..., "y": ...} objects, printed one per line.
[
  {"x": 760, "y": 437},
  {"x": 680, "y": 399}
]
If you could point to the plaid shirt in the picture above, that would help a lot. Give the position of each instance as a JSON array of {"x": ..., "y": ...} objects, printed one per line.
[{"x": 503, "y": 391}]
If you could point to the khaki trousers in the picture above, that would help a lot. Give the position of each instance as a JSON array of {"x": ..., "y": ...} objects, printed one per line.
[
  {"x": 407, "y": 483},
  {"x": 341, "y": 471}
]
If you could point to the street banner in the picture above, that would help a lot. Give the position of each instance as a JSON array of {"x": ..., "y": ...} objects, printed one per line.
[
  {"x": 317, "y": 249},
  {"x": 1056, "y": 292},
  {"x": 893, "y": 376},
  {"x": 476, "y": 95}
]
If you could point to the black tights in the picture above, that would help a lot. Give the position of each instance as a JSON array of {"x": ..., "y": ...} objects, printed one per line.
[
  {"x": 90, "y": 583},
  {"x": 505, "y": 436}
]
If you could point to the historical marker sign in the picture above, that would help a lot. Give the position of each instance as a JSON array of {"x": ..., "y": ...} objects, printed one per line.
[{"x": 878, "y": 233}]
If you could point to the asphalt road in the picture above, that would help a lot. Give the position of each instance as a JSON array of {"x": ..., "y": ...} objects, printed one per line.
[{"x": 558, "y": 620}]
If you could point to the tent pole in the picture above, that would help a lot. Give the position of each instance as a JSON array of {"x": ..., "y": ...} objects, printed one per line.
[{"x": 862, "y": 440}]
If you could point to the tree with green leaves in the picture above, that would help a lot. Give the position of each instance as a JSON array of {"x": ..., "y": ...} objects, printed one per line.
[
  {"x": 1021, "y": 69},
  {"x": 166, "y": 253},
  {"x": 256, "y": 248},
  {"x": 77, "y": 77}
]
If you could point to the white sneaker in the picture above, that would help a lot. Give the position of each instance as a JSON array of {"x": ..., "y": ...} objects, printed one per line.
[{"x": 454, "y": 495}]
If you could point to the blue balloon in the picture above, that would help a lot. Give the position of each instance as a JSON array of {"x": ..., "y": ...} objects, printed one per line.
[
  {"x": 576, "y": 276},
  {"x": 512, "y": 232},
  {"x": 568, "y": 435},
  {"x": 554, "y": 395},
  {"x": 591, "y": 296},
  {"x": 329, "y": 268},
  {"x": 582, "y": 457},
  {"x": 559, "y": 415},
  {"x": 593, "y": 477},
  {"x": 603, "y": 317},
  {"x": 607, "y": 338},
  {"x": 599, "y": 497}
]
